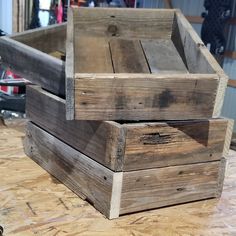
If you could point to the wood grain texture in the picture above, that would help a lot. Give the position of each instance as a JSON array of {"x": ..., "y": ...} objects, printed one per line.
[
  {"x": 92, "y": 55},
  {"x": 163, "y": 57},
  {"x": 70, "y": 68},
  {"x": 199, "y": 59},
  {"x": 197, "y": 55},
  {"x": 125, "y": 23},
  {"x": 222, "y": 85},
  {"x": 153, "y": 188},
  {"x": 102, "y": 141},
  {"x": 46, "y": 39},
  {"x": 78, "y": 172},
  {"x": 34, "y": 65},
  {"x": 128, "y": 56},
  {"x": 221, "y": 177},
  {"x": 161, "y": 144},
  {"x": 144, "y": 97},
  {"x": 228, "y": 137}
]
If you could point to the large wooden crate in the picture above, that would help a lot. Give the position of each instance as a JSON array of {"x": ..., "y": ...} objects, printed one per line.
[
  {"x": 126, "y": 64},
  {"x": 131, "y": 145},
  {"x": 118, "y": 193},
  {"x": 125, "y": 167},
  {"x": 195, "y": 89}
]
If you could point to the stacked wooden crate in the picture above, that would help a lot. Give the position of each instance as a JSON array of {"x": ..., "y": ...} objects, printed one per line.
[{"x": 136, "y": 124}]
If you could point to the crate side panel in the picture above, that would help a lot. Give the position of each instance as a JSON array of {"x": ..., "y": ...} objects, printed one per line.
[
  {"x": 34, "y": 65},
  {"x": 198, "y": 57},
  {"x": 150, "y": 145},
  {"x": 46, "y": 39},
  {"x": 78, "y": 172},
  {"x": 143, "y": 98},
  {"x": 148, "y": 189},
  {"x": 126, "y": 23},
  {"x": 102, "y": 141}
]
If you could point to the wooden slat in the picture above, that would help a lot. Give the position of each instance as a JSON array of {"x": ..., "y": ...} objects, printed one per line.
[
  {"x": 199, "y": 59},
  {"x": 78, "y": 172},
  {"x": 151, "y": 145},
  {"x": 126, "y": 23},
  {"x": 163, "y": 57},
  {"x": 102, "y": 141},
  {"x": 46, "y": 39},
  {"x": 70, "y": 67},
  {"x": 228, "y": 137},
  {"x": 92, "y": 55},
  {"x": 33, "y": 65},
  {"x": 143, "y": 97},
  {"x": 148, "y": 189},
  {"x": 128, "y": 56}
]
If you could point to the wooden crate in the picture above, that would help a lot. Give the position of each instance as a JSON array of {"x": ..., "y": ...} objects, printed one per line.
[
  {"x": 118, "y": 193},
  {"x": 131, "y": 145},
  {"x": 126, "y": 64},
  {"x": 28, "y": 55},
  {"x": 180, "y": 94}
]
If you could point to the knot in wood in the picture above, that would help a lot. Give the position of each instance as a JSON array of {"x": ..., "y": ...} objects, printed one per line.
[{"x": 112, "y": 29}]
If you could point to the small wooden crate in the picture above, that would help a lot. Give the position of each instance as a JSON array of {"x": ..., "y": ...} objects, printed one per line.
[
  {"x": 180, "y": 94},
  {"x": 126, "y": 64},
  {"x": 118, "y": 193},
  {"x": 131, "y": 145}
]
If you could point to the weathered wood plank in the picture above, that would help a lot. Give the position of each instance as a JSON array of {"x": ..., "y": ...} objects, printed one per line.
[
  {"x": 128, "y": 56},
  {"x": 143, "y": 97},
  {"x": 46, "y": 39},
  {"x": 151, "y": 145},
  {"x": 102, "y": 141},
  {"x": 198, "y": 58},
  {"x": 34, "y": 65},
  {"x": 148, "y": 189},
  {"x": 228, "y": 137},
  {"x": 163, "y": 57},
  {"x": 92, "y": 55},
  {"x": 70, "y": 67},
  {"x": 126, "y": 23},
  {"x": 78, "y": 172}
]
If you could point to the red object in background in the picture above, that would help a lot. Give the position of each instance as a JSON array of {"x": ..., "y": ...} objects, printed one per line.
[
  {"x": 79, "y": 3},
  {"x": 10, "y": 77},
  {"x": 59, "y": 13}
]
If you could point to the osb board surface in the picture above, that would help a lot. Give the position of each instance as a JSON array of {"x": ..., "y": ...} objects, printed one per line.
[{"x": 34, "y": 203}]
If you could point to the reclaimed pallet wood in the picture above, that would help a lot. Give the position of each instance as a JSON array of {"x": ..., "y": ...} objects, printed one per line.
[
  {"x": 128, "y": 56},
  {"x": 161, "y": 55},
  {"x": 130, "y": 92},
  {"x": 118, "y": 193},
  {"x": 93, "y": 55},
  {"x": 27, "y": 55},
  {"x": 131, "y": 145}
]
